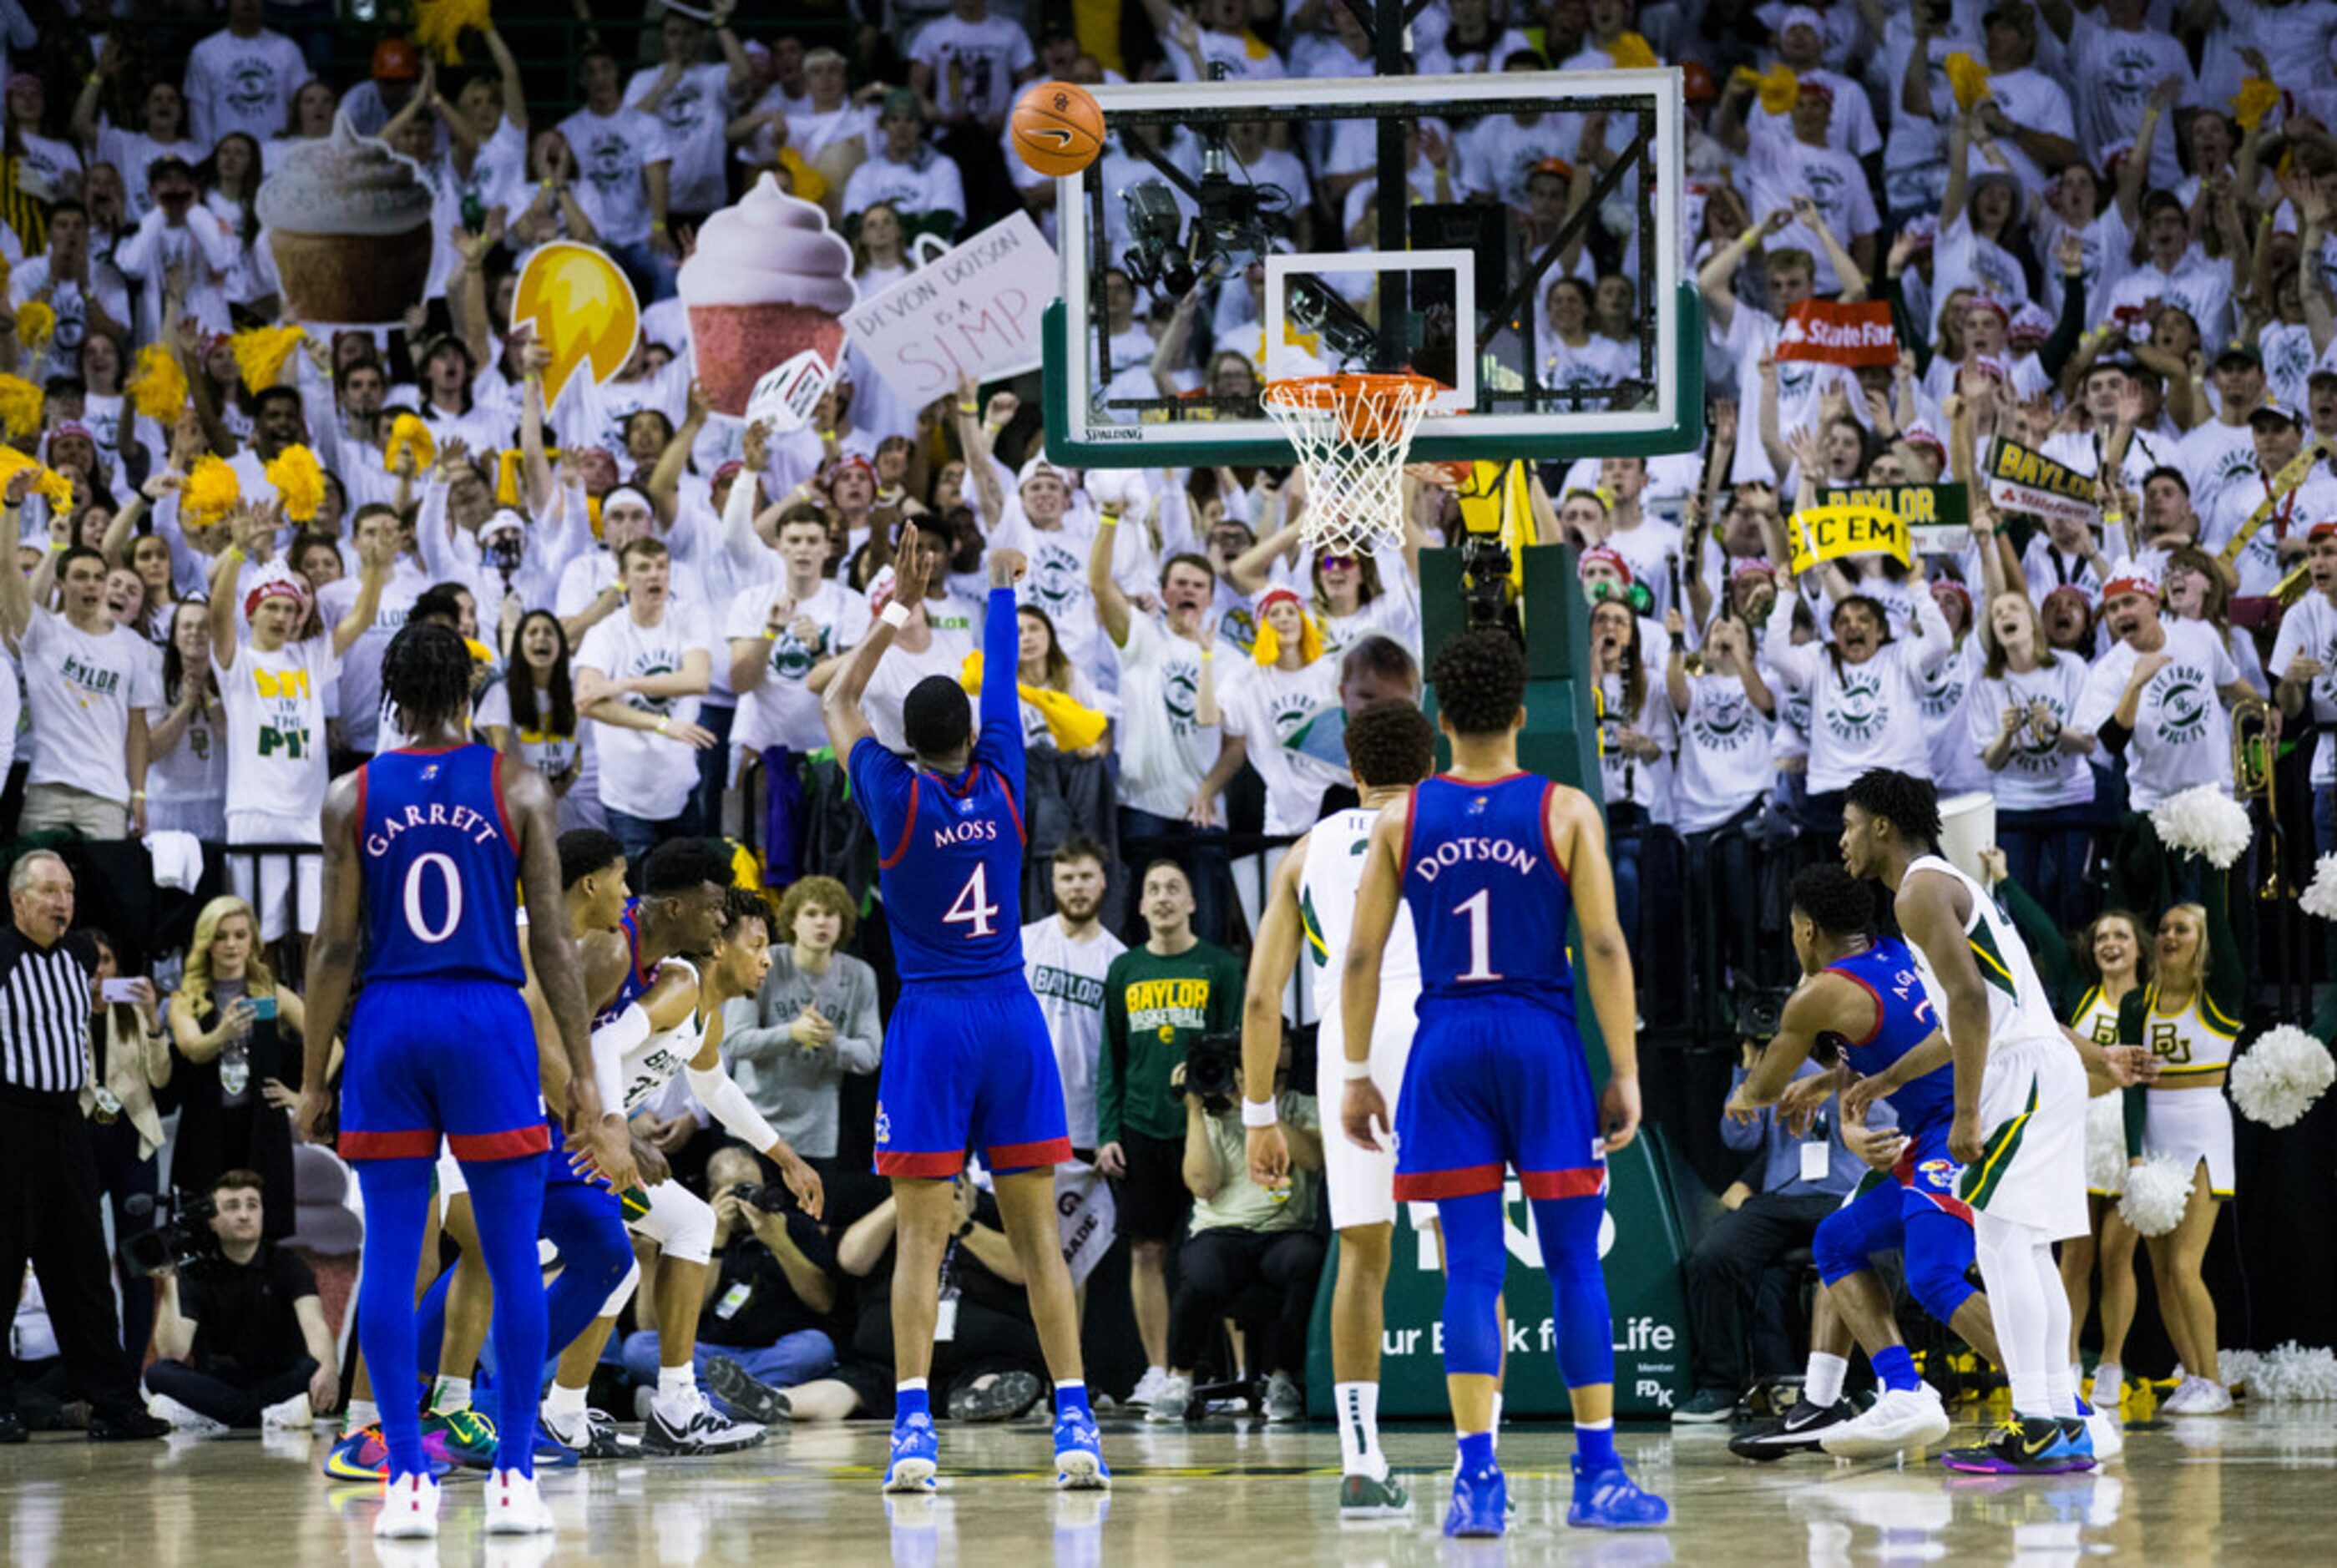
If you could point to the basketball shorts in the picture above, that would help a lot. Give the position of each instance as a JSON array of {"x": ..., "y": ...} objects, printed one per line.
[
  {"x": 1362, "y": 1182},
  {"x": 443, "y": 1057},
  {"x": 1499, "y": 1083},
  {"x": 968, "y": 1066},
  {"x": 1873, "y": 1219},
  {"x": 2193, "y": 1126},
  {"x": 2031, "y": 1170}
]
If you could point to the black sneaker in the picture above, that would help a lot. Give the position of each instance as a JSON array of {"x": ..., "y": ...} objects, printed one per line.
[
  {"x": 1001, "y": 1396},
  {"x": 11, "y": 1427},
  {"x": 746, "y": 1394},
  {"x": 1799, "y": 1431},
  {"x": 601, "y": 1439},
  {"x": 1706, "y": 1407},
  {"x": 707, "y": 1431},
  {"x": 129, "y": 1426}
]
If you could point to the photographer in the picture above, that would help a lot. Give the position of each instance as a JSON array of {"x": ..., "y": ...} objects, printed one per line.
[
  {"x": 766, "y": 1301},
  {"x": 242, "y": 1337},
  {"x": 1156, "y": 999},
  {"x": 1243, "y": 1234}
]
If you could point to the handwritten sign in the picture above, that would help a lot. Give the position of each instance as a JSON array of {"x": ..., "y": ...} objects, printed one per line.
[
  {"x": 974, "y": 311},
  {"x": 1938, "y": 516}
]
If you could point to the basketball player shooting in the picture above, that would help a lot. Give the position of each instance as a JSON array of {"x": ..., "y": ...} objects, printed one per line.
[
  {"x": 424, "y": 848},
  {"x": 968, "y": 1062},
  {"x": 1491, "y": 861}
]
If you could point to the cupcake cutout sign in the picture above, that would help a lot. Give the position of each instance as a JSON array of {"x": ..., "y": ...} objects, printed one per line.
[
  {"x": 349, "y": 226},
  {"x": 767, "y": 287}
]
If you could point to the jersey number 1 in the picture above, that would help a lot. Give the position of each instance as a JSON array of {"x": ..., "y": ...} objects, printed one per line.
[
  {"x": 1478, "y": 909},
  {"x": 972, "y": 908}
]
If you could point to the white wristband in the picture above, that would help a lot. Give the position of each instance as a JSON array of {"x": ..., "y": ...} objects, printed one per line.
[
  {"x": 1354, "y": 1072},
  {"x": 895, "y": 615},
  {"x": 1260, "y": 1113}
]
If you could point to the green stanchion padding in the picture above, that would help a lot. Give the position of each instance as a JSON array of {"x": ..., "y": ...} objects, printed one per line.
[{"x": 1643, "y": 1242}]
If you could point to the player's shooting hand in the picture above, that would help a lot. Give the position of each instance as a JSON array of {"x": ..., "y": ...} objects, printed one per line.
[
  {"x": 1360, "y": 1108},
  {"x": 1007, "y": 567},
  {"x": 912, "y": 567},
  {"x": 1111, "y": 1160},
  {"x": 1619, "y": 1113},
  {"x": 1269, "y": 1156}
]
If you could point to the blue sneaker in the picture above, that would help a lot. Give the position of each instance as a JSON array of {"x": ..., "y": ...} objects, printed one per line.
[
  {"x": 363, "y": 1455},
  {"x": 1079, "y": 1453},
  {"x": 916, "y": 1454},
  {"x": 1608, "y": 1500},
  {"x": 1481, "y": 1503},
  {"x": 551, "y": 1450}
]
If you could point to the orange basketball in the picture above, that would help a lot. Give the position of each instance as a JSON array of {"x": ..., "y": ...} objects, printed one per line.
[{"x": 1058, "y": 127}]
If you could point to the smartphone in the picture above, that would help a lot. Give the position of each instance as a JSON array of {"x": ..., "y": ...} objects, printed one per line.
[
  {"x": 263, "y": 1008},
  {"x": 118, "y": 990}
]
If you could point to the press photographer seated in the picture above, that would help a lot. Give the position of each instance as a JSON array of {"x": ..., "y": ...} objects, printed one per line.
[
  {"x": 1242, "y": 1234},
  {"x": 242, "y": 1336}
]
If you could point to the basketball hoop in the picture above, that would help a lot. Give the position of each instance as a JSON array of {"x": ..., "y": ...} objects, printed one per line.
[{"x": 1352, "y": 433}]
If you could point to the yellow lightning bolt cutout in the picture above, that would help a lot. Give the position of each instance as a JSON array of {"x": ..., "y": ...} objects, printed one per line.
[{"x": 581, "y": 307}]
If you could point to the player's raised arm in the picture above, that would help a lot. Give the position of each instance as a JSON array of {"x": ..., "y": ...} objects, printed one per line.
[
  {"x": 1377, "y": 900},
  {"x": 333, "y": 951},
  {"x": 553, "y": 954},
  {"x": 1928, "y": 914},
  {"x": 1002, "y": 653},
  {"x": 1272, "y": 957},
  {"x": 1574, "y": 823},
  {"x": 839, "y": 705}
]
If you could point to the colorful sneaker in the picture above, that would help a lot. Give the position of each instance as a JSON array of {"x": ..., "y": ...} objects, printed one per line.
[
  {"x": 916, "y": 1454},
  {"x": 409, "y": 1510},
  {"x": 515, "y": 1507},
  {"x": 1079, "y": 1454},
  {"x": 362, "y": 1455},
  {"x": 464, "y": 1438},
  {"x": 1361, "y": 1497},
  {"x": 1609, "y": 1499},
  {"x": 552, "y": 1448},
  {"x": 1801, "y": 1430},
  {"x": 1481, "y": 1504},
  {"x": 2025, "y": 1445}
]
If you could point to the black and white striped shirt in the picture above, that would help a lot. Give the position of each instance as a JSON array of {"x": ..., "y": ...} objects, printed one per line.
[{"x": 45, "y": 1012}]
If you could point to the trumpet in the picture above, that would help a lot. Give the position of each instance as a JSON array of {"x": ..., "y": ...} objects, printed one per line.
[{"x": 2256, "y": 776}]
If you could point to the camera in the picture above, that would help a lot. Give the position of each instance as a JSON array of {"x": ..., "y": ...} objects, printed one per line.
[
  {"x": 1760, "y": 1009},
  {"x": 771, "y": 1197},
  {"x": 1210, "y": 1063},
  {"x": 181, "y": 1238}
]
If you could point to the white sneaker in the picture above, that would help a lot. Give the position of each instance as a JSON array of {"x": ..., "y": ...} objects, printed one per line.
[
  {"x": 409, "y": 1510},
  {"x": 1173, "y": 1401},
  {"x": 1148, "y": 1388},
  {"x": 2182, "y": 1401},
  {"x": 514, "y": 1505},
  {"x": 2108, "y": 1386},
  {"x": 2109, "y": 1437},
  {"x": 1283, "y": 1400},
  {"x": 2210, "y": 1398},
  {"x": 1903, "y": 1418},
  {"x": 286, "y": 1415},
  {"x": 183, "y": 1419}
]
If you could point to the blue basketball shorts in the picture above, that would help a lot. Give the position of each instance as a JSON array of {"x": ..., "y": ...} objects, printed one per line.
[
  {"x": 451, "y": 1058},
  {"x": 969, "y": 1065},
  {"x": 1874, "y": 1219},
  {"x": 1496, "y": 1084}
]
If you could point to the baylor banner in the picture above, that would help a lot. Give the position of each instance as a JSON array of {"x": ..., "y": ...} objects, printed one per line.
[
  {"x": 1938, "y": 516},
  {"x": 1640, "y": 1244},
  {"x": 2021, "y": 480}
]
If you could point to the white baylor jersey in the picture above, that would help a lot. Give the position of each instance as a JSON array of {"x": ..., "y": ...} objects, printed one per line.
[
  {"x": 658, "y": 1059},
  {"x": 1328, "y": 884},
  {"x": 2017, "y": 1005}
]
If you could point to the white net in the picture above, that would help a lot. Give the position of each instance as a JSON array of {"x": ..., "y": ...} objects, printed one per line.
[{"x": 1352, "y": 434}]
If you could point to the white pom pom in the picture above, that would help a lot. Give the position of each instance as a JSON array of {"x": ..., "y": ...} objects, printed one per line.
[
  {"x": 2293, "y": 1374},
  {"x": 2157, "y": 1192},
  {"x": 2278, "y": 1078},
  {"x": 2321, "y": 898},
  {"x": 2106, "y": 1144},
  {"x": 2239, "y": 1369},
  {"x": 1117, "y": 489},
  {"x": 2206, "y": 822}
]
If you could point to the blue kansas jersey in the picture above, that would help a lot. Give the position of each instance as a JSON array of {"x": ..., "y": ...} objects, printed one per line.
[
  {"x": 1490, "y": 901},
  {"x": 441, "y": 867},
  {"x": 952, "y": 847},
  {"x": 1903, "y": 1019}
]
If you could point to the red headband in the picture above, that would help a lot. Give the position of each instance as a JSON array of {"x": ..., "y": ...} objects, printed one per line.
[
  {"x": 274, "y": 588},
  {"x": 1613, "y": 558}
]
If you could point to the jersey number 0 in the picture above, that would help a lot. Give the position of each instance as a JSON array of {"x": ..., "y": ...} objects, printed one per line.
[{"x": 415, "y": 921}]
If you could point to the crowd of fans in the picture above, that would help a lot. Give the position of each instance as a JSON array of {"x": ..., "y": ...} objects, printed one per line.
[{"x": 2104, "y": 232}]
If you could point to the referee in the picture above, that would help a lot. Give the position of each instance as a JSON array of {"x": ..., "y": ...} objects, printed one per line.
[{"x": 48, "y": 1175}]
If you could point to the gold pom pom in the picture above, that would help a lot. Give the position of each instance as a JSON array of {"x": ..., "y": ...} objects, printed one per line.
[
  {"x": 299, "y": 480},
  {"x": 157, "y": 387},
  {"x": 211, "y": 488}
]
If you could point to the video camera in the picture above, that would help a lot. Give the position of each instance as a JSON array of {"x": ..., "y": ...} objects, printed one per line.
[
  {"x": 181, "y": 1238},
  {"x": 1210, "y": 1063},
  {"x": 771, "y": 1197}
]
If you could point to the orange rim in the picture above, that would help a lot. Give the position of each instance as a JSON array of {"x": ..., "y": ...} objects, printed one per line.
[{"x": 1369, "y": 405}]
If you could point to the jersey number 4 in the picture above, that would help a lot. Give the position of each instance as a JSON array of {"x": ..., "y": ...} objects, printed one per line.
[
  {"x": 414, "y": 920},
  {"x": 973, "y": 907}
]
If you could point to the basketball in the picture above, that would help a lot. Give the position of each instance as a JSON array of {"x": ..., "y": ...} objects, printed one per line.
[{"x": 1058, "y": 127}]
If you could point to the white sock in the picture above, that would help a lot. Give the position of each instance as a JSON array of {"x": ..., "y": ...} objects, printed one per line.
[
  {"x": 1359, "y": 1430},
  {"x": 452, "y": 1396},
  {"x": 564, "y": 1407},
  {"x": 1496, "y": 1420},
  {"x": 1822, "y": 1383},
  {"x": 915, "y": 1384},
  {"x": 362, "y": 1413},
  {"x": 677, "y": 1391}
]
